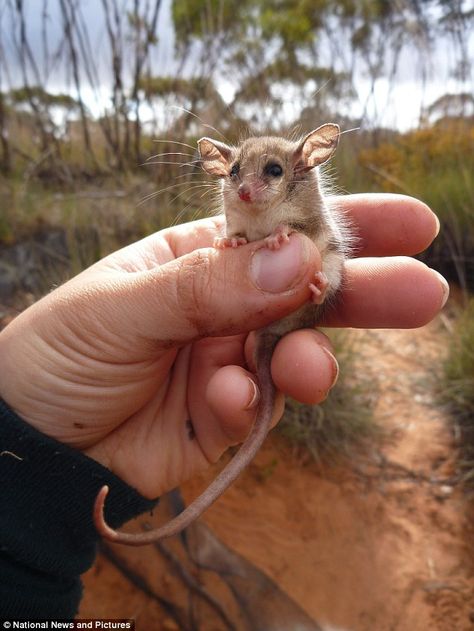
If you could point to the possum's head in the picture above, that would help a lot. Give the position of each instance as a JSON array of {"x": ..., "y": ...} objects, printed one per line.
[{"x": 261, "y": 172}]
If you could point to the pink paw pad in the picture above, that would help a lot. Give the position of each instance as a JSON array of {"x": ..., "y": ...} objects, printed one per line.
[
  {"x": 319, "y": 288},
  {"x": 229, "y": 242}
]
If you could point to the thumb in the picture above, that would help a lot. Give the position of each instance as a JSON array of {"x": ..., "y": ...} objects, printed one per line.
[{"x": 211, "y": 292}]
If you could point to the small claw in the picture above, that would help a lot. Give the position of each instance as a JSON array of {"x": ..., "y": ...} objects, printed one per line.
[
  {"x": 280, "y": 235},
  {"x": 221, "y": 243},
  {"x": 272, "y": 243},
  {"x": 239, "y": 241}
]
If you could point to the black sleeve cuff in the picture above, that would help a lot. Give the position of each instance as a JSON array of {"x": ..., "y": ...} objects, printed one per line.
[{"x": 47, "y": 537}]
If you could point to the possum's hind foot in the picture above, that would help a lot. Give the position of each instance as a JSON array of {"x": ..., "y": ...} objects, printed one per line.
[{"x": 319, "y": 288}]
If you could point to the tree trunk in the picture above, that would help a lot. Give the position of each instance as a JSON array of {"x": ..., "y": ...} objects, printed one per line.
[{"x": 5, "y": 164}]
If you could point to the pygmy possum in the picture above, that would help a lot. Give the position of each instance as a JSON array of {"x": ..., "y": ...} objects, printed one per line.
[{"x": 271, "y": 187}]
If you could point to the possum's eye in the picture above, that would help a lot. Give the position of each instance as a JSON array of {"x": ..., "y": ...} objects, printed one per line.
[
  {"x": 235, "y": 170},
  {"x": 273, "y": 169}
]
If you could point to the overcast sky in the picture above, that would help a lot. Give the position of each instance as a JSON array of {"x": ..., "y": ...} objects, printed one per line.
[
  {"x": 394, "y": 105},
  {"x": 92, "y": 15}
]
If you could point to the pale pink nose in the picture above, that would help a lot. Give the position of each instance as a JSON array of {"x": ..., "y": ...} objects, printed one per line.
[{"x": 244, "y": 192}]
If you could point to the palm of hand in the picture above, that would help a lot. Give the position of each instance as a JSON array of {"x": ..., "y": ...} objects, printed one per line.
[{"x": 131, "y": 402}]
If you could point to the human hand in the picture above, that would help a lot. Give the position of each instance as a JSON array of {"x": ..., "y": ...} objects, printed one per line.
[{"x": 119, "y": 360}]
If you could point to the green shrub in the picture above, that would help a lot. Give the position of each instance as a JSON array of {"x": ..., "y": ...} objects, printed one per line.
[
  {"x": 458, "y": 388},
  {"x": 435, "y": 164}
]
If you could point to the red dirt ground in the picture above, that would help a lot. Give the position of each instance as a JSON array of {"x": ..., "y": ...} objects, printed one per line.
[{"x": 387, "y": 548}]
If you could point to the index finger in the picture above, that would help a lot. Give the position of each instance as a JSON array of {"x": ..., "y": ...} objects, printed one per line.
[
  {"x": 388, "y": 224},
  {"x": 383, "y": 225}
]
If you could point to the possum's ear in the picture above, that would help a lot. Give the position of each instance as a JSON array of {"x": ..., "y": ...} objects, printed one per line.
[
  {"x": 215, "y": 156},
  {"x": 317, "y": 147}
]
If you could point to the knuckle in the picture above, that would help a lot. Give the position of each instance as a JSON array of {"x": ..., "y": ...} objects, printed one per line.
[{"x": 195, "y": 291}]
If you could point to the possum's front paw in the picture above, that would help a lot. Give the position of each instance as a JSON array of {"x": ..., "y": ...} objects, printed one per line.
[
  {"x": 280, "y": 235},
  {"x": 319, "y": 288},
  {"x": 229, "y": 242}
]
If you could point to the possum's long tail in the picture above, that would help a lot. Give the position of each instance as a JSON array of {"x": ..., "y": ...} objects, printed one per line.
[{"x": 266, "y": 343}]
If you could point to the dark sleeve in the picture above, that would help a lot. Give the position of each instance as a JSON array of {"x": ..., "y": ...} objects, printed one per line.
[{"x": 47, "y": 537}]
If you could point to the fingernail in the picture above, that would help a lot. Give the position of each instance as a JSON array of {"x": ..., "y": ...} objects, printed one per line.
[
  {"x": 276, "y": 271},
  {"x": 254, "y": 397},
  {"x": 445, "y": 288},
  {"x": 334, "y": 366},
  {"x": 438, "y": 226}
]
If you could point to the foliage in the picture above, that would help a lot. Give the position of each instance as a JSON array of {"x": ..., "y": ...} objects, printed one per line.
[
  {"x": 259, "y": 44},
  {"x": 279, "y": 59},
  {"x": 289, "y": 64},
  {"x": 196, "y": 92},
  {"x": 450, "y": 105},
  {"x": 40, "y": 96},
  {"x": 458, "y": 387},
  {"x": 435, "y": 164},
  {"x": 163, "y": 86},
  {"x": 273, "y": 41}
]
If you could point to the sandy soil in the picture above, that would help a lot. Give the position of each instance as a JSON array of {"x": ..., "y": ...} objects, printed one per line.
[{"x": 386, "y": 546}]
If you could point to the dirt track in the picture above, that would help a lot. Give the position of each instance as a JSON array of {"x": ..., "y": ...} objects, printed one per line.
[{"x": 386, "y": 549}]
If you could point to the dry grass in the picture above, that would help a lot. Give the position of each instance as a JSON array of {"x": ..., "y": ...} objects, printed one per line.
[{"x": 339, "y": 426}]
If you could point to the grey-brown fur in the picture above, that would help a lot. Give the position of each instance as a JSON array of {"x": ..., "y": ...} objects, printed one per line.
[{"x": 261, "y": 203}]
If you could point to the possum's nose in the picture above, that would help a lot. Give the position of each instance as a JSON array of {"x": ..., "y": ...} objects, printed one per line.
[{"x": 244, "y": 192}]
